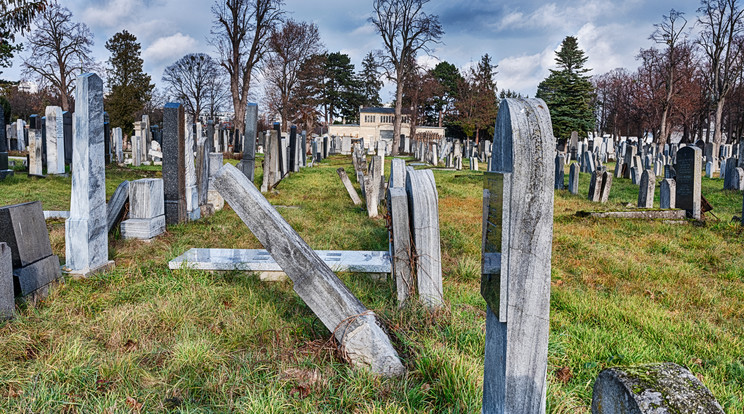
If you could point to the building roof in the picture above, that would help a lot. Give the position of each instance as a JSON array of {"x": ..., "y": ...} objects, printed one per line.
[{"x": 390, "y": 111}]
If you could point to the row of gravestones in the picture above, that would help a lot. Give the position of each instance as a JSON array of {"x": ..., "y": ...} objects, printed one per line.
[{"x": 445, "y": 151}]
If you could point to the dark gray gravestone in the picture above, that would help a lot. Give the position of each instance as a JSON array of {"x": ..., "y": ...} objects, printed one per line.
[
  {"x": 106, "y": 138},
  {"x": 67, "y": 132},
  {"x": 326, "y": 147},
  {"x": 23, "y": 228},
  {"x": 249, "y": 149},
  {"x": 646, "y": 190},
  {"x": 43, "y": 141},
  {"x": 354, "y": 326},
  {"x": 7, "y": 295},
  {"x": 559, "y": 172},
  {"x": 174, "y": 169},
  {"x": 606, "y": 187},
  {"x": 282, "y": 152},
  {"x": 517, "y": 291},
  {"x": 293, "y": 166},
  {"x": 651, "y": 389},
  {"x": 202, "y": 174},
  {"x": 115, "y": 206},
  {"x": 667, "y": 193},
  {"x": 689, "y": 176},
  {"x": 595, "y": 186},
  {"x": 4, "y": 170},
  {"x": 573, "y": 178}
]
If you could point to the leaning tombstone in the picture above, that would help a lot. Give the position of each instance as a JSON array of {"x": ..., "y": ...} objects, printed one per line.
[
  {"x": 115, "y": 206},
  {"x": 146, "y": 210},
  {"x": 86, "y": 235},
  {"x": 355, "y": 327},
  {"x": 517, "y": 239},
  {"x": 573, "y": 178},
  {"x": 646, "y": 190},
  {"x": 667, "y": 193},
  {"x": 604, "y": 192},
  {"x": 349, "y": 188},
  {"x": 7, "y": 295},
  {"x": 688, "y": 176},
  {"x": 651, "y": 389},
  {"x": 595, "y": 186},
  {"x": 423, "y": 204},
  {"x": 23, "y": 228}
]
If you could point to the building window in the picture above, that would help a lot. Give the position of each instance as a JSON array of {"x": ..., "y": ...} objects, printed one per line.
[
  {"x": 386, "y": 119},
  {"x": 369, "y": 119}
]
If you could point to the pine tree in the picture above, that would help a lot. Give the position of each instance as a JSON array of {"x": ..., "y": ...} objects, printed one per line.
[
  {"x": 370, "y": 80},
  {"x": 568, "y": 91},
  {"x": 130, "y": 87}
]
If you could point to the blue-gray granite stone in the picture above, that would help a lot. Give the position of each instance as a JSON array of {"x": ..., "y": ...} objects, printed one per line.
[
  {"x": 7, "y": 295},
  {"x": 23, "y": 227}
]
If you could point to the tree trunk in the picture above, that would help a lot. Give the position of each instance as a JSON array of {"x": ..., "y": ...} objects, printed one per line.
[
  {"x": 398, "y": 110},
  {"x": 719, "y": 115}
]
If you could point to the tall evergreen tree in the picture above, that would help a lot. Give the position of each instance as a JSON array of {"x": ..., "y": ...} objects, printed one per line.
[
  {"x": 568, "y": 91},
  {"x": 448, "y": 78},
  {"x": 370, "y": 80},
  {"x": 130, "y": 87},
  {"x": 342, "y": 90}
]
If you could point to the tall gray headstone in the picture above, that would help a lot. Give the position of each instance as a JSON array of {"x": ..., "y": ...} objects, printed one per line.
[
  {"x": 86, "y": 235},
  {"x": 606, "y": 187},
  {"x": 192, "y": 192},
  {"x": 573, "y": 178},
  {"x": 518, "y": 230},
  {"x": 400, "y": 242},
  {"x": 174, "y": 159},
  {"x": 423, "y": 206},
  {"x": 7, "y": 295},
  {"x": 647, "y": 188},
  {"x": 667, "y": 193},
  {"x": 119, "y": 144},
  {"x": 249, "y": 151},
  {"x": 559, "y": 171},
  {"x": 4, "y": 142},
  {"x": 55, "y": 140},
  {"x": 689, "y": 180}
]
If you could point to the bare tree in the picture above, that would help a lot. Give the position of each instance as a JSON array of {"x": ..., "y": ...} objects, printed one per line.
[
  {"x": 288, "y": 49},
  {"x": 59, "y": 50},
  {"x": 669, "y": 32},
  {"x": 405, "y": 29},
  {"x": 240, "y": 34},
  {"x": 722, "y": 25},
  {"x": 191, "y": 81}
]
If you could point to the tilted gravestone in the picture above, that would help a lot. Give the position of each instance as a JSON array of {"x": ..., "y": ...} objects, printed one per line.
[
  {"x": 146, "y": 210},
  {"x": 689, "y": 172},
  {"x": 423, "y": 207},
  {"x": 349, "y": 188},
  {"x": 23, "y": 228},
  {"x": 115, "y": 206},
  {"x": 604, "y": 192},
  {"x": 517, "y": 242},
  {"x": 353, "y": 325},
  {"x": 595, "y": 186},
  {"x": 86, "y": 233},
  {"x": 646, "y": 190}
]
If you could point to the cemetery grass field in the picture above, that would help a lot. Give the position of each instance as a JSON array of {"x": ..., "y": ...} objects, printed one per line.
[{"x": 142, "y": 338}]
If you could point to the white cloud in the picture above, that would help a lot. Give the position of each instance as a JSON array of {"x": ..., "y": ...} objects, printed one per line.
[
  {"x": 112, "y": 12},
  {"x": 523, "y": 73},
  {"x": 169, "y": 48}
]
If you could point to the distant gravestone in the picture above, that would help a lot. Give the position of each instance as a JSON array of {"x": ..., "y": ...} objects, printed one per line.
[
  {"x": 606, "y": 187},
  {"x": 689, "y": 167},
  {"x": 737, "y": 179},
  {"x": 573, "y": 178},
  {"x": 667, "y": 193},
  {"x": 193, "y": 212},
  {"x": 86, "y": 234},
  {"x": 216, "y": 160},
  {"x": 595, "y": 186},
  {"x": 646, "y": 191},
  {"x": 55, "y": 140},
  {"x": 67, "y": 130},
  {"x": 559, "y": 172},
  {"x": 4, "y": 170}
]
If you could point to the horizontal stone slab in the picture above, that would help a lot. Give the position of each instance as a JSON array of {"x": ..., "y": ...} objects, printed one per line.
[
  {"x": 640, "y": 214},
  {"x": 259, "y": 260},
  {"x": 51, "y": 214}
]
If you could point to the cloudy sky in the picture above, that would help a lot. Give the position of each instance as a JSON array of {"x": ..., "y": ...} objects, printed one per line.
[{"x": 520, "y": 35}]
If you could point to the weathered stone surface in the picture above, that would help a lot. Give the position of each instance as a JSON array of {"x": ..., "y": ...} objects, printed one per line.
[
  {"x": 146, "y": 198},
  {"x": 559, "y": 172},
  {"x": 259, "y": 260},
  {"x": 143, "y": 228},
  {"x": 249, "y": 150},
  {"x": 23, "y": 228},
  {"x": 397, "y": 173},
  {"x": 573, "y": 178},
  {"x": 400, "y": 242},
  {"x": 193, "y": 212},
  {"x": 174, "y": 171},
  {"x": 641, "y": 214},
  {"x": 646, "y": 190},
  {"x": 595, "y": 186},
  {"x": 115, "y": 206},
  {"x": 7, "y": 295},
  {"x": 213, "y": 196},
  {"x": 86, "y": 232},
  {"x": 689, "y": 166},
  {"x": 55, "y": 140},
  {"x": 667, "y": 193},
  {"x": 354, "y": 326},
  {"x": 37, "y": 276},
  {"x": 423, "y": 206},
  {"x": 606, "y": 187},
  {"x": 517, "y": 339},
  {"x": 349, "y": 188},
  {"x": 652, "y": 389},
  {"x": 202, "y": 170}
]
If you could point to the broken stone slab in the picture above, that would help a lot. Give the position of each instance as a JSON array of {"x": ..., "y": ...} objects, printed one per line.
[
  {"x": 355, "y": 327},
  {"x": 115, "y": 206},
  {"x": 260, "y": 260},
  {"x": 652, "y": 389},
  {"x": 349, "y": 188},
  {"x": 640, "y": 214}
]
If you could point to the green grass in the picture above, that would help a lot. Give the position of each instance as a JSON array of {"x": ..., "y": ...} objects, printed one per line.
[{"x": 142, "y": 337}]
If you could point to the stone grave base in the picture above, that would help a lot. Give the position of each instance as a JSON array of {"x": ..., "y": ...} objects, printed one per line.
[
  {"x": 86, "y": 273},
  {"x": 35, "y": 276},
  {"x": 640, "y": 214},
  {"x": 143, "y": 229}
]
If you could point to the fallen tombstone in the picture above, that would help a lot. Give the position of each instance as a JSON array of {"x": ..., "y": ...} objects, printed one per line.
[
  {"x": 116, "y": 206},
  {"x": 147, "y": 212},
  {"x": 355, "y": 327},
  {"x": 349, "y": 188},
  {"x": 652, "y": 389}
]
